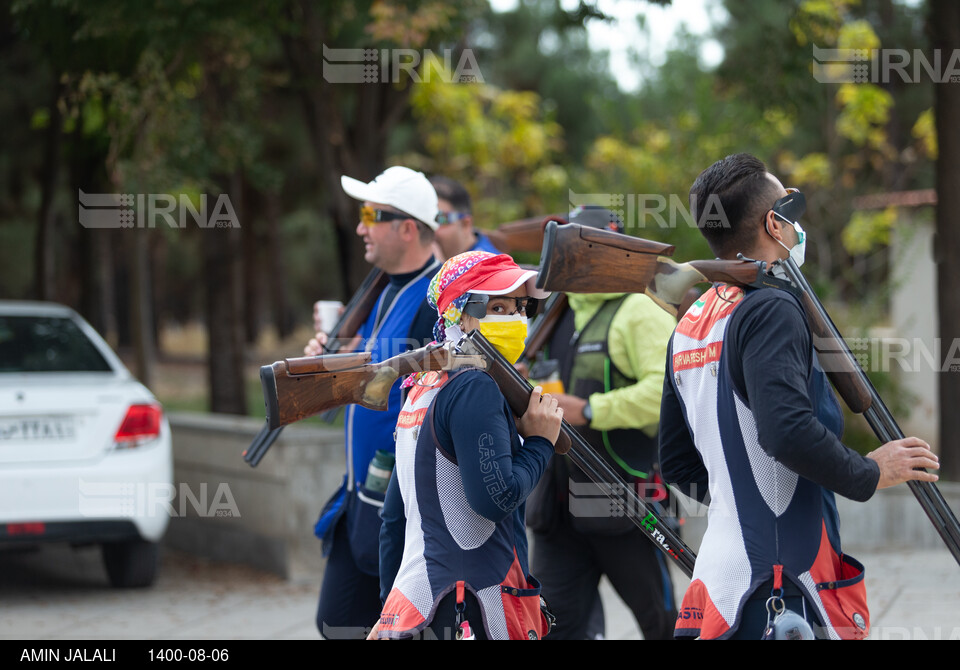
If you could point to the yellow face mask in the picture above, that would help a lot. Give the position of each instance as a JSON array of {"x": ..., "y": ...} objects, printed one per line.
[{"x": 507, "y": 333}]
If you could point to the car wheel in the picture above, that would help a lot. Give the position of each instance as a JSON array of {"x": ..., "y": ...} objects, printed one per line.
[{"x": 131, "y": 564}]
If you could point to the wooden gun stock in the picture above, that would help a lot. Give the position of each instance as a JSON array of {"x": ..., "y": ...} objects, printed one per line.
[
  {"x": 590, "y": 260},
  {"x": 296, "y": 388},
  {"x": 580, "y": 259},
  {"x": 354, "y": 314}
]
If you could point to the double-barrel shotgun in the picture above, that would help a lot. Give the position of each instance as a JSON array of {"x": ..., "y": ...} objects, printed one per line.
[
  {"x": 300, "y": 387},
  {"x": 587, "y": 260}
]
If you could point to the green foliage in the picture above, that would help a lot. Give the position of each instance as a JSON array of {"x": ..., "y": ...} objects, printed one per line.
[
  {"x": 311, "y": 259},
  {"x": 813, "y": 170},
  {"x": 183, "y": 96},
  {"x": 868, "y": 230},
  {"x": 682, "y": 123},
  {"x": 542, "y": 48},
  {"x": 925, "y": 131},
  {"x": 498, "y": 143},
  {"x": 16, "y": 244},
  {"x": 865, "y": 111}
]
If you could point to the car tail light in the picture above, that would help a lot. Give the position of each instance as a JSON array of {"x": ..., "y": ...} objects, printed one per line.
[
  {"x": 31, "y": 528},
  {"x": 140, "y": 425}
]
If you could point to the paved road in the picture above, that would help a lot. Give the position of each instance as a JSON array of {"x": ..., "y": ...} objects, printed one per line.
[{"x": 58, "y": 593}]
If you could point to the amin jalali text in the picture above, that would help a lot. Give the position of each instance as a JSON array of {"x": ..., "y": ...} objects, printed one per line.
[{"x": 69, "y": 654}]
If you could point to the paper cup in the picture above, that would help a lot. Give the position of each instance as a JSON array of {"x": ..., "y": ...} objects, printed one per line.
[{"x": 326, "y": 314}]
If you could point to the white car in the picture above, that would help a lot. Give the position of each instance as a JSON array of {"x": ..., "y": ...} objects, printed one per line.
[{"x": 85, "y": 449}]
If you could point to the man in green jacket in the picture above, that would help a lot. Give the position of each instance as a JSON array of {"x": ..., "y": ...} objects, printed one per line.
[{"x": 611, "y": 350}]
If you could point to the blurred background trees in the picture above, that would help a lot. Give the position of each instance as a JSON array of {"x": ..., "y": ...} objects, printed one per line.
[{"x": 197, "y": 98}]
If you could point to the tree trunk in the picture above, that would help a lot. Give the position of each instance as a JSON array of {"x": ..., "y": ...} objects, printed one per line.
[
  {"x": 44, "y": 268},
  {"x": 223, "y": 284},
  {"x": 354, "y": 146},
  {"x": 945, "y": 36},
  {"x": 252, "y": 242},
  {"x": 141, "y": 306},
  {"x": 94, "y": 244},
  {"x": 282, "y": 317}
]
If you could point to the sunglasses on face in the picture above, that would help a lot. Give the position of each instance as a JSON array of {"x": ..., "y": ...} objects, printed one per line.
[
  {"x": 445, "y": 218},
  {"x": 791, "y": 206},
  {"x": 478, "y": 305},
  {"x": 370, "y": 216}
]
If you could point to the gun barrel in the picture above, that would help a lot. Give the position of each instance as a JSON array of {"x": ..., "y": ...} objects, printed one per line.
[
  {"x": 517, "y": 391},
  {"x": 861, "y": 396}
]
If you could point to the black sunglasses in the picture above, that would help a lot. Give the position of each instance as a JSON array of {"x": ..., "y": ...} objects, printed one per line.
[
  {"x": 791, "y": 206},
  {"x": 476, "y": 305}
]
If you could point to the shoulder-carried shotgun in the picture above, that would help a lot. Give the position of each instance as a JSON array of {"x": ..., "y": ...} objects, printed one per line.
[
  {"x": 354, "y": 314},
  {"x": 838, "y": 362},
  {"x": 627, "y": 265},
  {"x": 296, "y": 388},
  {"x": 299, "y": 387},
  {"x": 581, "y": 259},
  {"x": 624, "y": 497},
  {"x": 521, "y": 235}
]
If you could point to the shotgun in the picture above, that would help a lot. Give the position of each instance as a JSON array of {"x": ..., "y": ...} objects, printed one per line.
[
  {"x": 625, "y": 499},
  {"x": 296, "y": 388},
  {"x": 299, "y": 387},
  {"x": 354, "y": 314},
  {"x": 833, "y": 352},
  {"x": 566, "y": 251},
  {"x": 521, "y": 235},
  {"x": 581, "y": 259}
]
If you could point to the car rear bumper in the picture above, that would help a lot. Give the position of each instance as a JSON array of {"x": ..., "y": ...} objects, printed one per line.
[
  {"x": 129, "y": 487},
  {"x": 75, "y": 532}
]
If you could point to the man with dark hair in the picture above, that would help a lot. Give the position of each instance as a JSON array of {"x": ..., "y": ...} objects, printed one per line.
[
  {"x": 747, "y": 415},
  {"x": 455, "y": 233},
  {"x": 397, "y": 219},
  {"x": 610, "y": 349}
]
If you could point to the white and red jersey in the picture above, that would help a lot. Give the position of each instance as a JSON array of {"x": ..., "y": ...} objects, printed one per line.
[{"x": 764, "y": 520}]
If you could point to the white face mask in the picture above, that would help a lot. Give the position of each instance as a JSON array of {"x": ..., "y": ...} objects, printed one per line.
[{"x": 798, "y": 251}]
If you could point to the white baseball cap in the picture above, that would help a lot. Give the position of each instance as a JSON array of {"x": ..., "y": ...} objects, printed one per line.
[{"x": 400, "y": 187}]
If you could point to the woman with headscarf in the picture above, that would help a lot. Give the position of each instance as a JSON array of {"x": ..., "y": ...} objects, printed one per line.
[{"x": 453, "y": 546}]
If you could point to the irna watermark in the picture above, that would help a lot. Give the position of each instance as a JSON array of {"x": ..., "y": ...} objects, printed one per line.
[
  {"x": 882, "y": 66},
  {"x": 610, "y": 499},
  {"x": 143, "y": 210},
  {"x": 141, "y": 499},
  {"x": 385, "y": 66},
  {"x": 889, "y": 354},
  {"x": 914, "y": 633},
  {"x": 654, "y": 210}
]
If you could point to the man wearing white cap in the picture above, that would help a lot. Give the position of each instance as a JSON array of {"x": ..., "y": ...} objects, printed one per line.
[{"x": 397, "y": 219}]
